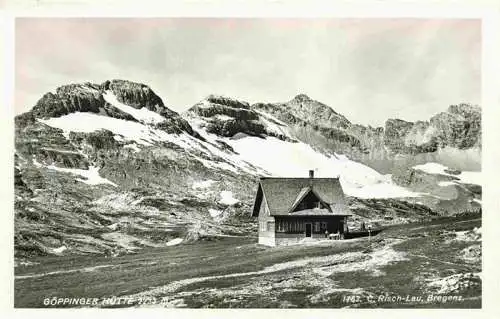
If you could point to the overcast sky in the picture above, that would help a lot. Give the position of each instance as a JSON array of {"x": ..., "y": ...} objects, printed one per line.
[{"x": 367, "y": 69}]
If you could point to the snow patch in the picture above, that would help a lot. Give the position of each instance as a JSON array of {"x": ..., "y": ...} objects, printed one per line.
[
  {"x": 113, "y": 226},
  {"x": 142, "y": 114},
  {"x": 202, "y": 184},
  {"x": 223, "y": 117},
  {"x": 227, "y": 198},
  {"x": 381, "y": 190},
  {"x": 446, "y": 183},
  {"x": 432, "y": 168},
  {"x": 214, "y": 213},
  {"x": 471, "y": 177},
  {"x": 175, "y": 241},
  {"x": 91, "y": 175},
  {"x": 59, "y": 250},
  {"x": 133, "y": 146},
  {"x": 468, "y": 177},
  {"x": 477, "y": 201}
]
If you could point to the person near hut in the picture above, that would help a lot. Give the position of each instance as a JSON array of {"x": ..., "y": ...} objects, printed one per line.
[{"x": 326, "y": 234}]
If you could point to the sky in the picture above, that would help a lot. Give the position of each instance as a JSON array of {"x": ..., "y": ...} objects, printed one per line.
[{"x": 366, "y": 69}]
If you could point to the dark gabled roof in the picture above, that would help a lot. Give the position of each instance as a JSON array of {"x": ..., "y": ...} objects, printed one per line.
[
  {"x": 318, "y": 212},
  {"x": 303, "y": 193},
  {"x": 282, "y": 193}
]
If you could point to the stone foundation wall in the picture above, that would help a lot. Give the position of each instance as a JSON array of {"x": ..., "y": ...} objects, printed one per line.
[
  {"x": 267, "y": 240},
  {"x": 294, "y": 238}
]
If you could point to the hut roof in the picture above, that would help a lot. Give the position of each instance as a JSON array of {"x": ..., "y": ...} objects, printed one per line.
[
  {"x": 318, "y": 212},
  {"x": 284, "y": 193}
]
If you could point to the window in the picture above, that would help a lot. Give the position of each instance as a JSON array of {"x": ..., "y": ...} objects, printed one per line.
[
  {"x": 281, "y": 225},
  {"x": 324, "y": 226},
  {"x": 316, "y": 226}
]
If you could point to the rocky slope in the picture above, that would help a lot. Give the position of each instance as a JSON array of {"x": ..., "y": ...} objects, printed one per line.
[
  {"x": 317, "y": 123},
  {"x": 109, "y": 168},
  {"x": 93, "y": 177},
  {"x": 384, "y": 148},
  {"x": 458, "y": 127}
]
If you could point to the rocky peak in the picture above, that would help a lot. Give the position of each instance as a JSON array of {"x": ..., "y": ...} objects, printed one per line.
[
  {"x": 137, "y": 95},
  {"x": 78, "y": 89},
  {"x": 459, "y": 126},
  {"x": 216, "y": 105},
  {"x": 464, "y": 109},
  {"x": 88, "y": 97},
  {"x": 68, "y": 99},
  {"x": 301, "y": 98},
  {"x": 225, "y": 116},
  {"x": 227, "y": 101}
]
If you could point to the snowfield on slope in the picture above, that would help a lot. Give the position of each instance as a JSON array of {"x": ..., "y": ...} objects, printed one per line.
[
  {"x": 286, "y": 159},
  {"x": 467, "y": 177},
  {"x": 85, "y": 122},
  {"x": 279, "y": 158},
  {"x": 148, "y": 136}
]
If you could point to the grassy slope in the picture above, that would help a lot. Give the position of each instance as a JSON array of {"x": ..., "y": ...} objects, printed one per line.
[{"x": 427, "y": 256}]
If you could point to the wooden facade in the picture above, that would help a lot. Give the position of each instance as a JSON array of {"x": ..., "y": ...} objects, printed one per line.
[{"x": 293, "y": 210}]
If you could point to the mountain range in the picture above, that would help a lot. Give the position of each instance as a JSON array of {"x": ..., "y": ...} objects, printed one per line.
[{"x": 109, "y": 168}]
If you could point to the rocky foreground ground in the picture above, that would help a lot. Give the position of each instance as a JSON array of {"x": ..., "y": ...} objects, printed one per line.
[{"x": 433, "y": 264}]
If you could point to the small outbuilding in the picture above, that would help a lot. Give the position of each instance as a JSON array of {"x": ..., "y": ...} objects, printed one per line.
[{"x": 293, "y": 210}]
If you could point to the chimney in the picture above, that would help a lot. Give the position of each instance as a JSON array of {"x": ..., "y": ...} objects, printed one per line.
[{"x": 311, "y": 177}]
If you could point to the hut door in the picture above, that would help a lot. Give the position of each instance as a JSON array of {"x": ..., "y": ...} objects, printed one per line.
[{"x": 308, "y": 229}]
